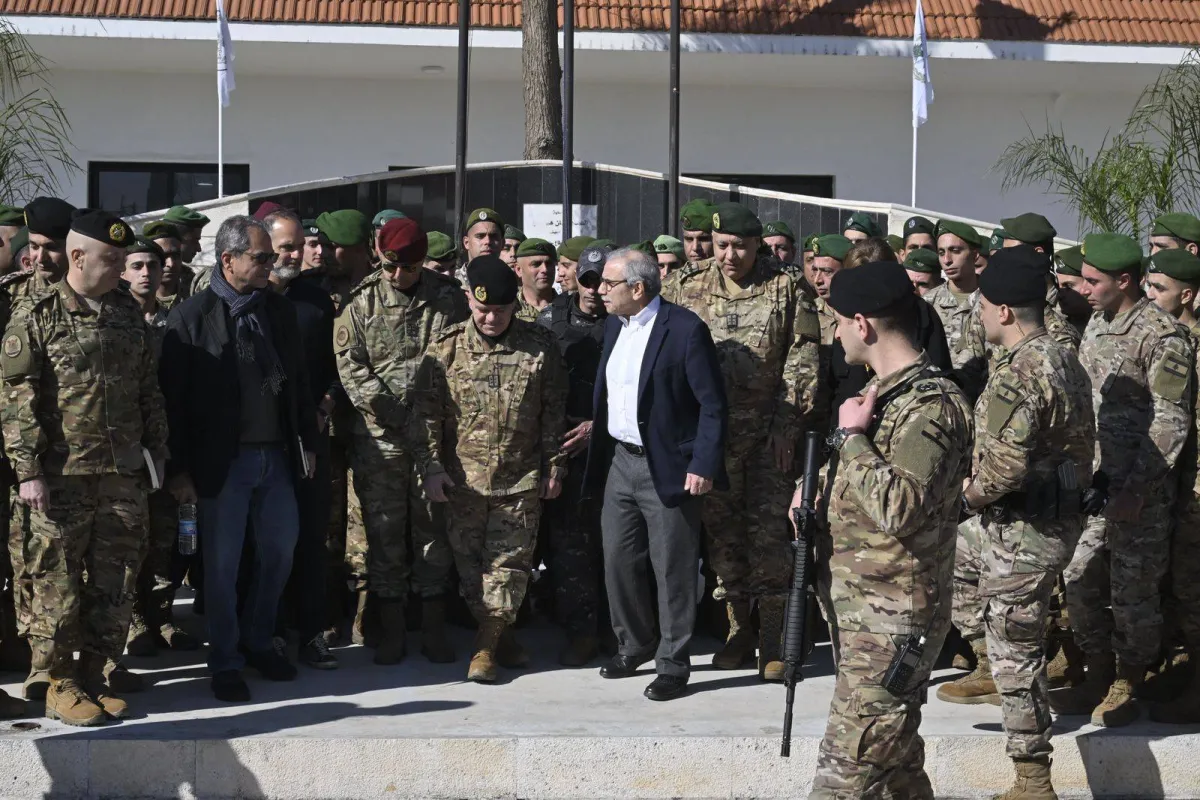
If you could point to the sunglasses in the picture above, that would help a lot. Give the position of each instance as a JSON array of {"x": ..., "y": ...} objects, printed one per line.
[{"x": 262, "y": 259}]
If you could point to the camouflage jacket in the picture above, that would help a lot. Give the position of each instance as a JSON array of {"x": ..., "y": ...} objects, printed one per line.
[
  {"x": 1141, "y": 364},
  {"x": 1034, "y": 414},
  {"x": 379, "y": 339},
  {"x": 491, "y": 411},
  {"x": 894, "y": 505},
  {"x": 201, "y": 279},
  {"x": 826, "y": 321},
  {"x": 21, "y": 285},
  {"x": 82, "y": 387},
  {"x": 156, "y": 326},
  {"x": 954, "y": 311},
  {"x": 767, "y": 337},
  {"x": 1189, "y": 458},
  {"x": 183, "y": 292},
  {"x": 526, "y": 310}
]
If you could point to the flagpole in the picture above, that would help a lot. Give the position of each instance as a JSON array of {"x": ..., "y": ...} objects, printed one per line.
[
  {"x": 913, "y": 201},
  {"x": 220, "y": 141}
]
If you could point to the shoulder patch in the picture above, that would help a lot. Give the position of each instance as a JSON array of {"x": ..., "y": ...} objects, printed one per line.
[
  {"x": 14, "y": 277},
  {"x": 343, "y": 333},
  {"x": 922, "y": 445},
  {"x": 1172, "y": 375},
  {"x": 808, "y": 322},
  {"x": 15, "y": 358},
  {"x": 1003, "y": 402}
]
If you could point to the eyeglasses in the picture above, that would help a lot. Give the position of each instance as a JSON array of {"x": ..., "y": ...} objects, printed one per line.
[
  {"x": 608, "y": 283},
  {"x": 262, "y": 259}
]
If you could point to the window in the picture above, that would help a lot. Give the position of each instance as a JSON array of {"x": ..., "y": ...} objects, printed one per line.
[
  {"x": 811, "y": 185},
  {"x": 133, "y": 187}
]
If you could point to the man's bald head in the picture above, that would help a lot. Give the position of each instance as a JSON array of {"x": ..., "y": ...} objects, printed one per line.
[{"x": 95, "y": 266}]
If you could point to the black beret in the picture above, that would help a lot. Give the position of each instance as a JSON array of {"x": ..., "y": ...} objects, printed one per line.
[
  {"x": 49, "y": 217},
  {"x": 144, "y": 245},
  {"x": 492, "y": 281},
  {"x": 869, "y": 289},
  {"x": 102, "y": 226},
  {"x": 1016, "y": 276}
]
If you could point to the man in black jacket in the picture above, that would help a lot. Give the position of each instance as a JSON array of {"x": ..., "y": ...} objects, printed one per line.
[{"x": 243, "y": 432}]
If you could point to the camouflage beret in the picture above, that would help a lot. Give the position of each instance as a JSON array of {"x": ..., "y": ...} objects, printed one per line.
[
  {"x": 483, "y": 215},
  {"x": 1179, "y": 264},
  {"x": 960, "y": 229},
  {"x": 778, "y": 228},
  {"x": 832, "y": 245},
  {"x": 696, "y": 215},
  {"x": 441, "y": 246},
  {"x": 736, "y": 220},
  {"x": 1069, "y": 261},
  {"x": 1180, "y": 226},
  {"x": 1111, "y": 252},
  {"x": 862, "y": 222},
  {"x": 571, "y": 248},
  {"x": 536, "y": 247},
  {"x": 1028, "y": 228}
]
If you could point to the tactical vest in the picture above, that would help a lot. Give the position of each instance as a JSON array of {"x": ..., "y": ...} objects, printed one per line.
[{"x": 581, "y": 343}]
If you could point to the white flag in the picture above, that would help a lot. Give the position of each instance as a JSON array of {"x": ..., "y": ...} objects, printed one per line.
[
  {"x": 922, "y": 83},
  {"x": 225, "y": 82}
]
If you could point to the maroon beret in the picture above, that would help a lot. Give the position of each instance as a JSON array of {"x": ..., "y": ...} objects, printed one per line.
[{"x": 401, "y": 241}]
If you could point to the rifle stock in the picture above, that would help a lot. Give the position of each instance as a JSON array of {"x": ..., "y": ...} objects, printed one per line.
[{"x": 795, "y": 634}]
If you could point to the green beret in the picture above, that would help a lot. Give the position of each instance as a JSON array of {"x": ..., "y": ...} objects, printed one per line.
[
  {"x": 161, "y": 229},
  {"x": 1028, "y": 228},
  {"x": 12, "y": 215},
  {"x": 919, "y": 225},
  {"x": 182, "y": 215},
  {"x": 345, "y": 228},
  {"x": 645, "y": 246},
  {"x": 1178, "y": 264},
  {"x": 571, "y": 248},
  {"x": 778, "y": 228},
  {"x": 832, "y": 245},
  {"x": 17, "y": 243},
  {"x": 736, "y": 219},
  {"x": 996, "y": 242},
  {"x": 387, "y": 215},
  {"x": 483, "y": 215},
  {"x": 895, "y": 242},
  {"x": 103, "y": 227},
  {"x": 669, "y": 244},
  {"x": 960, "y": 229},
  {"x": 1181, "y": 226},
  {"x": 492, "y": 281},
  {"x": 1069, "y": 261},
  {"x": 143, "y": 245},
  {"x": 441, "y": 246},
  {"x": 1111, "y": 252},
  {"x": 808, "y": 241},
  {"x": 536, "y": 247},
  {"x": 923, "y": 260},
  {"x": 696, "y": 215},
  {"x": 515, "y": 233},
  {"x": 861, "y": 222},
  {"x": 609, "y": 243}
]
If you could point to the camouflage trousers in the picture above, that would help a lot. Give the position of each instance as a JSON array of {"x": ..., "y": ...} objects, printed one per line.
[
  {"x": 1182, "y": 599},
  {"x": 83, "y": 557},
  {"x": 967, "y": 606},
  {"x": 1122, "y": 564},
  {"x": 872, "y": 747},
  {"x": 395, "y": 512},
  {"x": 156, "y": 582},
  {"x": 573, "y": 554},
  {"x": 347, "y": 539},
  {"x": 22, "y": 584},
  {"x": 746, "y": 529},
  {"x": 1021, "y": 562},
  {"x": 493, "y": 539}
]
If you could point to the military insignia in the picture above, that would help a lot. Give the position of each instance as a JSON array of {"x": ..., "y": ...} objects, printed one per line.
[
  {"x": 481, "y": 294},
  {"x": 716, "y": 220},
  {"x": 12, "y": 346},
  {"x": 816, "y": 246},
  {"x": 849, "y": 222},
  {"x": 912, "y": 223},
  {"x": 594, "y": 256},
  {"x": 483, "y": 216},
  {"x": 343, "y": 336},
  {"x": 493, "y": 381},
  {"x": 1083, "y": 249},
  {"x": 117, "y": 232},
  {"x": 1171, "y": 379},
  {"x": 731, "y": 322},
  {"x": 389, "y": 255}
]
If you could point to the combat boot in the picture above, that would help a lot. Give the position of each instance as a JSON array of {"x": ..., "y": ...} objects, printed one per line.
[
  {"x": 483, "y": 663},
  {"x": 121, "y": 680},
  {"x": 509, "y": 652},
  {"x": 1082, "y": 699},
  {"x": 36, "y": 685},
  {"x": 94, "y": 681},
  {"x": 141, "y": 640},
  {"x": 391, "y": 648},
  {"x": 739, "y": 647},
  {"x": 1066, "y": 668},
  {"x": 976, "y": 686},
  {"x": 176, "y": 638},
  {"x": 11, "y": 707},
  {"x": 67, "y": 702},
  {"x": 1183, "y": 710},
  {"x": 580, "y": 651},
  {"x": 770, "y": 637},
  {"x": 1032, "y": 783},
  {"x": 1119, "y": 707},
  {"x": 434, "y": 644}
]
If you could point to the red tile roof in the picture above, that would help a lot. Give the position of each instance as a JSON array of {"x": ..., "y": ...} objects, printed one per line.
[{"x": 1175, "y": 22}]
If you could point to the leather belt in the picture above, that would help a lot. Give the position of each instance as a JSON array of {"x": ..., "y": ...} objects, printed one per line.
[{"x": 633, "y": 449}]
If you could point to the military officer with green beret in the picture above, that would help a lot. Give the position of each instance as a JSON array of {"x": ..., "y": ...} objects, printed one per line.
[
  {"x": 351, "y": 241},
  {"x": 924, "y": 269},
  {"x": 1068, "y": 272},
  {"x": 957, "y": 247},
  {"x": 919, "y": 232},
  {"x": 483, "y": 234},
  {"x": 695, "y": 220},
  {"x": 990, "y": 245},
  {"x": 513, "y": 236},
  {"x": 535, "y": 272},
  {"x": 861, "y": 226},
  {"x": 191, "y": 224},
  {"x": 12, "y": 219},
  {"x": 384, "y": 217},
  {"x": 807, "y": 260},
  {"x": 1141, "y": 364},
  {"x": 1175, "y": 231},
  {"x": 176, "y": 283},
  {"x": 828, "y": 254},
  {"x": 442, "y": 257},
  {"x": 669, "y": 252},
  {"x": 1031, "y": 229},
  {"x": 766, "y": 332},
  {"x": 568, "y": 261},
  {"x": 779, "y": 237},
  {"x": 897, "y": 244}
]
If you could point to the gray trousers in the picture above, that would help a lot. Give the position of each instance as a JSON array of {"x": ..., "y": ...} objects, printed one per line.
[{"x": 640, "y": 534}]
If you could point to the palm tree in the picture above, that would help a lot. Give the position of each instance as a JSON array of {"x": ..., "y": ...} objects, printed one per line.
[
  {"x": 1149, "y": 167},
  {"x": 35, "y": 144}
]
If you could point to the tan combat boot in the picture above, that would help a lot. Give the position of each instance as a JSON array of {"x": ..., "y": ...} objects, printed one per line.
[
  {"x": 434, "y": 644},
  {"x": 1183, "y": 710},
  {"x": 1119, "y": 707},
  {"x": 1032, "y": 783},
  {"x": 391, "y": 648},
  {"x": 739, "y": 647},
  {"x": 1082, "y": 699},
  {"x": 976, "y": 686},
  {"x": 483, "y": 663},
  {"x": 97, "y": 684},
  {"x": 36, "y": 685},
  {"x": 1066, "y": 668},
  {"x": 67, "y": 702},
  {"x": 770, "y": 637}
]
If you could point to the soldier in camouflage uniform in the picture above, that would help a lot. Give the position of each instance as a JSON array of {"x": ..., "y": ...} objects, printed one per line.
[
  {"x": 904, "y": 447},
  {"x": 491, "y": 397},
  {"x": 191, "y": 224},
  {"x": 535, "y": 270},
  {"x": 1068, "y": 274},
  {"x": 828, "y": 254},
  {"x": 957, "y": 247},
  {"x": 1140, "y": 362},
  {"x": 668, "y": 252},
  {"x": 380, "y": 339},
  {"x": 176, "y": 283},
  {"x": 766, "y": 332},
  {"x": 1034, "y": 444},
  {"x": 695, "y": 220},
  {"x": 79, "y": 366},
  {"x": 920, "y": 233},
  {"x": 1173, "y": 284},
  {"x": 924, "y": 270},
  {"x": 860, "y": 227},
  {"x": 12, "y": 221}
]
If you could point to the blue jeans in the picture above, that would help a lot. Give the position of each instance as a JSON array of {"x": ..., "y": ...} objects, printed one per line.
[{"x": 258, "y": 489}]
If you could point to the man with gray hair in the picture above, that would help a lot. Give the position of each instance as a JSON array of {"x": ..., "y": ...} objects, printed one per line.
[
  {"x": 243, "y": 432},
  {"x": 660, "y": 416}
]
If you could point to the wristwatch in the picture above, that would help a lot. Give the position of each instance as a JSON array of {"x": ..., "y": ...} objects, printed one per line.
[{"x": 838, "y": 437}]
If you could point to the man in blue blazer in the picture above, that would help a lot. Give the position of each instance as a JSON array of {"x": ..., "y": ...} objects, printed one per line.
[{"x": 658, "y": 441}]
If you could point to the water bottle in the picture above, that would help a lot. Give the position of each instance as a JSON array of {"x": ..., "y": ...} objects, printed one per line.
[{"x": 187, "y": 529}]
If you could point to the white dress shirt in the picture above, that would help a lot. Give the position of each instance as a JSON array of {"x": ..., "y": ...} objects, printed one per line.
[{"x": 624, "y": 371}]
